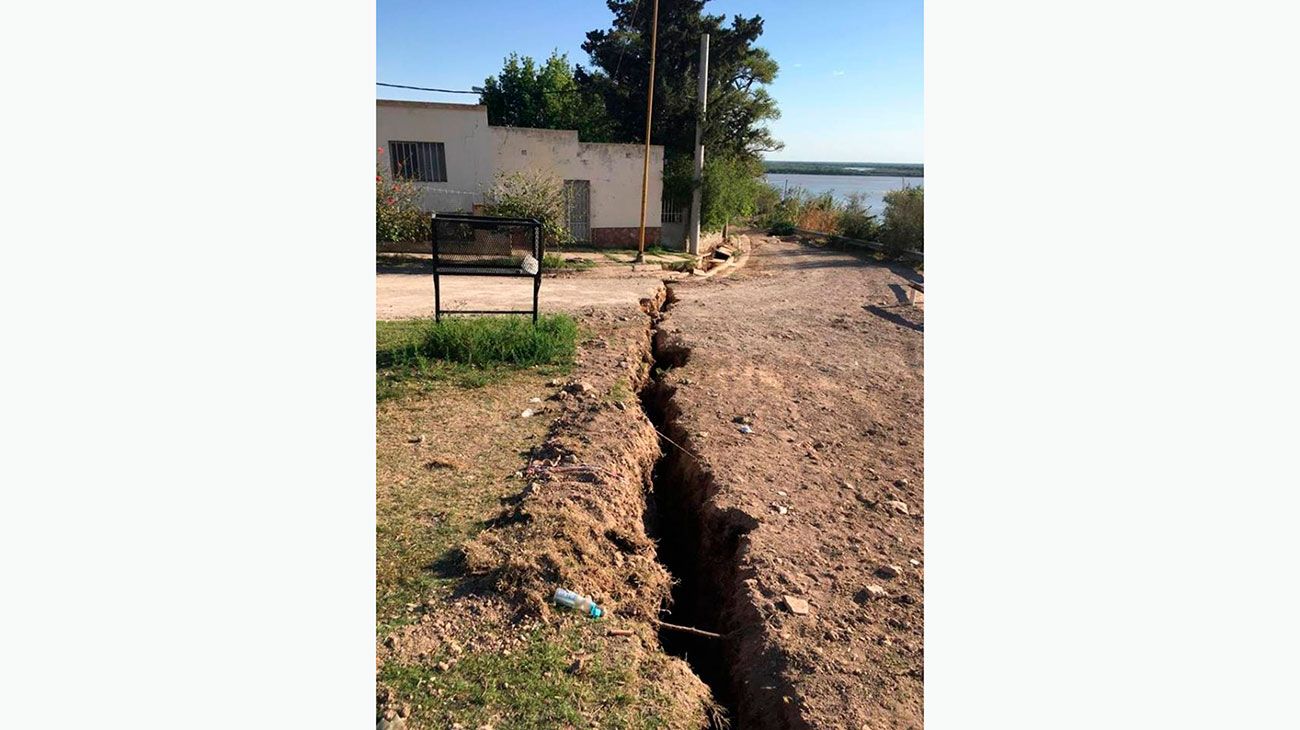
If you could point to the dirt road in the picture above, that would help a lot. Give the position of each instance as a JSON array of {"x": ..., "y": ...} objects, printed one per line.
[
  {"x": 807, "y": 532},
  {"x": 405, "y": 290}
]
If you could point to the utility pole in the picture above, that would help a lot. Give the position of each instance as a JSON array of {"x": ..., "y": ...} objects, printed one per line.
[
  {"x": 694, "y": 245},
  {"x": 649, "y": 107}
]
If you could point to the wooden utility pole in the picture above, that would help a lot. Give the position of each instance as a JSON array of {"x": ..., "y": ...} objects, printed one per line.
[
  {"x": 693, "y": 242},
  {"x": 649, "y": 107}
]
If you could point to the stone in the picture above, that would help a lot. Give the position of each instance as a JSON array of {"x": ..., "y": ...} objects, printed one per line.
[
  {"x": 534, "y": 400},
  {"x": 889, "y": 571},
  {"x": 900, "y": 483},
  {"x": 553, "y": 382},
  {"x": 872, "y": 592},
  {"x": 528, "y": 413},
  {"x": 580, "y": 387},
  {"x": 443, "y": 666},
  {"x": 897, "y": 506},
  {"x": 796, "y": 605}
]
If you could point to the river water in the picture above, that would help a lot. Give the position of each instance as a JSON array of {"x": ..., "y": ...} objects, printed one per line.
[{"x": 841, "y": 185}]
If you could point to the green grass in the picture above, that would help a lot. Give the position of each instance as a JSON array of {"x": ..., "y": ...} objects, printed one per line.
[
  {"x": 556, "y": 262},
  {"x": 531, "y": 687},
  {"x": 471, "y": 351}
]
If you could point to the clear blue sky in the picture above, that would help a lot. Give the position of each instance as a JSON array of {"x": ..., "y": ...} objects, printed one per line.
[{"x": 850, "y": 87}]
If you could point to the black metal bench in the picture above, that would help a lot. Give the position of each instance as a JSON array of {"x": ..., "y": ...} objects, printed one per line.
[{"x": 478, "y": 245}]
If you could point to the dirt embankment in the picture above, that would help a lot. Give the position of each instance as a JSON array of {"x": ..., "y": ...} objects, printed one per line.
[{"x": 580, "y": 523}]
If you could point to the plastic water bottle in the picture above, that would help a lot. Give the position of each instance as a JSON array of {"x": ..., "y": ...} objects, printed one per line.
[{"x": 578, "y": 603}]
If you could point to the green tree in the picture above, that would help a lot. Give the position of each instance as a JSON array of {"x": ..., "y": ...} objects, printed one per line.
[
  {"x": 545, "y": 96},
  {"x": 739, "y": 106},
  {"x": 904, "y": 220}
]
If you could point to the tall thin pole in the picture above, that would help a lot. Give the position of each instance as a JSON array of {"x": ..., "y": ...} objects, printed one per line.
[
  {"x": 649, "y": 106},
  {"x": 693, "y": 245}
]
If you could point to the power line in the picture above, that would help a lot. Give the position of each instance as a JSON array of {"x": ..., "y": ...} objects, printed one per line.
[
  {"x": 475, "y": 91},
  {"x": 425, "y": 88}
]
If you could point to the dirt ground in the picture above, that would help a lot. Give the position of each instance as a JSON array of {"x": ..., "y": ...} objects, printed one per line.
[
  {"x": 404, "y": 287},
  {"x": 802, "y": 540},
  {"x": 820, "y": 355}
]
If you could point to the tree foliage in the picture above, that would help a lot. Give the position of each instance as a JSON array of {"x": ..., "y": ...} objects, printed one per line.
[
  {"x": 904, "y": 219},
  {"x": 545, "y": 96},
  {"x": 739, "y": 106}
]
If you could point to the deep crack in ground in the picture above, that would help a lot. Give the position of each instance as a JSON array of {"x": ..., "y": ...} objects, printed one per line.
[{"x": 674, "y": 519}]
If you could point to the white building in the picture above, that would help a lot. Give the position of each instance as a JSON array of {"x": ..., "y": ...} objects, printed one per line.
[{"x": 454, "y": 155}]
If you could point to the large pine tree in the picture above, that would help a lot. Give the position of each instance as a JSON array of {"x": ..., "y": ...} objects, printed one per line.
[{"x": 739, "y": 106}]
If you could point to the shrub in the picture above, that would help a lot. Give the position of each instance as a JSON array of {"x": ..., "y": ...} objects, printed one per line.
[
  {"x": 857, "y": 220},
  {"x": 730, "y": 190},
  {"x": 531, "y": 194},
  {"x": 398, "y": 218},
  {"x": 904, "y": 220}
]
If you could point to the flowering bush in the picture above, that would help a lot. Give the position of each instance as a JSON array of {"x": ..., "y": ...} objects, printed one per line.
[{"x": 398, "y": 218}]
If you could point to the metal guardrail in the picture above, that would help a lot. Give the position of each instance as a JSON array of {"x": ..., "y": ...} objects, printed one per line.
[{"x": 874, "y": 246}]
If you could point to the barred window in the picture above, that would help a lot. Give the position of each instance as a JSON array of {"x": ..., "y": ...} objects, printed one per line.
[{"x": 420, "y": 161}]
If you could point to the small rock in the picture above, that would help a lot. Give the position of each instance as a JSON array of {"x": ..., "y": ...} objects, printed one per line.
[
  {"x": 416, "y": 439},
  {"x": 443, "y": 666},
  {"x": 743, "y": 419},
  {"x": 873, "y": 592},
  {"x": 900, "y": 482},
  {"x": 897, "y": 506},
  {"x": 905, "y": 598},
  {"x": 914, "y": 561},
  {"x": 391, "y": 723},
  {"x": 746, "y": 429},
  {"x": 579, "y": 388},
  {"x": 527, "y": 413},
  {"x": 780, "y": 510},
  {"x": 553, "y": 382},
  {"x": 796, "y": 605},
  {"x": 781, "y": 492},
  {"x": 889, "y": 571},
  {"x": 534, "y": 400}
]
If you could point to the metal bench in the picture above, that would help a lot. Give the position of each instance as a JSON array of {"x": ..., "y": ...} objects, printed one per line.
[{"x": 479, "y": 245}]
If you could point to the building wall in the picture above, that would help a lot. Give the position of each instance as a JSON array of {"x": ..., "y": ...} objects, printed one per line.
[
  {"x": 613, "y": 169},
  {"x": 463, "y": 130},
  {"x": 476, "y": 152}
]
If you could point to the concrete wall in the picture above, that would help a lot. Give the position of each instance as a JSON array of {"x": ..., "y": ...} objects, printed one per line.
[
  {"x": 613, "y": 169},
  {"x": 463, "y": 130},
  {"x": 476, "y": 152}
]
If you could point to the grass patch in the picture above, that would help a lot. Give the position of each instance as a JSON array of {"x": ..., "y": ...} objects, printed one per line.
[
  {"x": 556, "y": 262},
  {"x": 471, "y": 352},
  {"x": 533, "y": 687}
]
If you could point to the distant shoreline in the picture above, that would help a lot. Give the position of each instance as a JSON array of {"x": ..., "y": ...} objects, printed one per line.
[{"x": 863, "y": 169}]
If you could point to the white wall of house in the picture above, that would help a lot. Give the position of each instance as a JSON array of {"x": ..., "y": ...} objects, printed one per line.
[
  {"x": 476, "y": 152},
  {"x": 614, "y": 170},
  {"x": 463, "y": 130}
]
